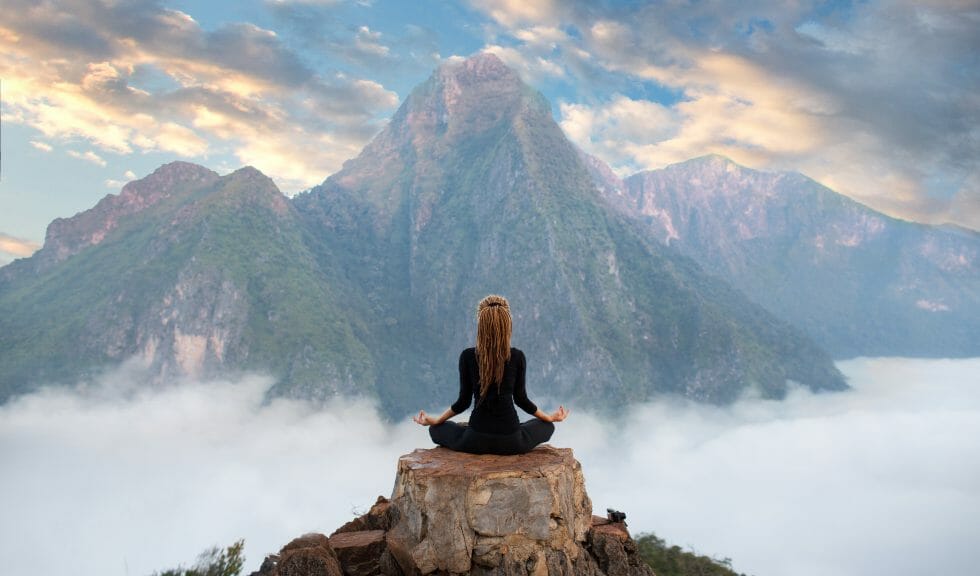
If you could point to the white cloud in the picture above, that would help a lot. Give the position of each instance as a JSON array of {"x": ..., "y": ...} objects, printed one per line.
[
  {"x": 88, "y": 156},
  {"x": 128, "y": 176},
  {"x": 313, "y": 2},
  {"x": 530, "y": 67},
  {"x": 43, "y": 147},
  {"x": 141, "y": 479},
  {"x": 605, "y": 131},
  {"x": 838, "y": 483},
  {"x": 369, "y": 42},
  {"x": 542, "y": 35},
  {"x": 137, "y": 481}
]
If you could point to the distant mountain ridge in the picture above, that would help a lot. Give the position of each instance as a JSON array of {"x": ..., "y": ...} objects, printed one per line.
[
  {"x": 857, "y": 281},
  {"x": 367, "y": 284},
  {"x": 206, "y": 275}
]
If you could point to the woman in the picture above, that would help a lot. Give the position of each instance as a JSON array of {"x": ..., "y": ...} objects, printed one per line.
[{"x": 492, "y": 373}]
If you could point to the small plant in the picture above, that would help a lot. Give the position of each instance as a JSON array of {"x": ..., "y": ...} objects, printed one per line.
[{"x": 213, "y": 562}]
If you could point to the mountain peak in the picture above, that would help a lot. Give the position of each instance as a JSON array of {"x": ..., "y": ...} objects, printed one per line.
[
  {"x": 67, "y": 236},
  {"x": 712, "y": 161},
  {"x": 479, "y": 88},
  {"x": 250, "y": 174},
  {"x": 166, "y": 176},
  {"x": 483, "y": 65}
]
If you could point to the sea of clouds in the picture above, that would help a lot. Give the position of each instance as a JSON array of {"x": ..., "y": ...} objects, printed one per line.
[{"x": 884, "y": 479}]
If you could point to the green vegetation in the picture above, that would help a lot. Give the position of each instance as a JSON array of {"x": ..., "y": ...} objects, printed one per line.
[
  {"x": 213, "y": 562},
  {"x": 673, "y": 561}
]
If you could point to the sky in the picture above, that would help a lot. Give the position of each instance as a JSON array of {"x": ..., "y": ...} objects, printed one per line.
[
  {"x": 880, "y": 100},
  {"x": 119, "y": 479}
]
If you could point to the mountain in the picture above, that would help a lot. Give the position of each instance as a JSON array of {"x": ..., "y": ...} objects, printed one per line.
[
  {"x": 473, "y": 189},
  {"x": 191, "y": 274},
  {"x": 857, "y": 281},
  {"x": 368, "y": 283}
]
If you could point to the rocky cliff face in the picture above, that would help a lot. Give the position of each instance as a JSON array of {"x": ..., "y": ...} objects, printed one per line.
[
  {"x": 859, "y": 282},
  {"x": 455, "y": 513},
  {"x": 66, "y": 237}
]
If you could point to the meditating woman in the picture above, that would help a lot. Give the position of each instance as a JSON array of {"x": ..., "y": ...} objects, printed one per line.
[{"x": 492, "y": 375}]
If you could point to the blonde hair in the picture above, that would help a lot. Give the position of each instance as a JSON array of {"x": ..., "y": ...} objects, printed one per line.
[{"x": 493, "y": 326}]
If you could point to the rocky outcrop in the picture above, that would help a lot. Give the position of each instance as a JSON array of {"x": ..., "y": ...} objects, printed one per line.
[
  {"x": 455, "y": 513},
  {"x": 308, "y": 555},
  {"x": 458, "y": 510}
]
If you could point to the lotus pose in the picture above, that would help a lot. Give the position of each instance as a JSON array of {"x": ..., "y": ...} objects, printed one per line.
[{"x": 492, "y": 375}]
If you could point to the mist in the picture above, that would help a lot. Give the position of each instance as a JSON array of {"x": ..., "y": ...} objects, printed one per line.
[{"x": 113, "y": 478}]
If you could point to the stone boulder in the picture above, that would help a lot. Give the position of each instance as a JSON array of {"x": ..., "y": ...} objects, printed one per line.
[
  {"x": 309, "y": 555},
  {"x": 360, "y": 552},
  {"x": 462, "y": 513},
  {"x": 613, "y": 549},
  {"x": 377, "y": 518}
]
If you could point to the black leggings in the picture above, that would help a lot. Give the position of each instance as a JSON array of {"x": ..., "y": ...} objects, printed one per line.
[{"x": 464, "y": 439}]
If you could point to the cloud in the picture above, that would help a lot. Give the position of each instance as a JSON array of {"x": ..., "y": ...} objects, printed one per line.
[
  {"x": 605, "y": 130},
  {"x": 877, "y": 100},
  {"x": 17, "y": 247},
  {"x": 839, "y": 483},
  {"x": 139, "y": 78},
  {"x": 192, "y": 466},
  {"x": 369, "y": 42},
  {"x": 531, "y": 68},
  {"x": 130, "y": 479},
  {"x": 88, "y": 156},
  {"x": 517, "y": 12},
  {"x": 43, "y": 147},
  {"x": 128, "y": 176},
  {"x": 313, "y": 2}
]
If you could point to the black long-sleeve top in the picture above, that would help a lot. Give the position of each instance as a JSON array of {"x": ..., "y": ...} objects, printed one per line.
[{"x": 494, "y": 414}]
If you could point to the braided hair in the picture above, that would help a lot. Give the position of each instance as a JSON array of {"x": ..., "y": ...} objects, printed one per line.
[{"x": 493, "y": 327}]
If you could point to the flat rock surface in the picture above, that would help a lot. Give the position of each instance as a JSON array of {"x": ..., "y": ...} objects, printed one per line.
[
  {"x": 444, "y": 462},
  {"x": 356, "y": 539}
]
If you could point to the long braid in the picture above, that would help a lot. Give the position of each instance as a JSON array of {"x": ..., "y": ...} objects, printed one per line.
[{"x": 493, "y": 330}]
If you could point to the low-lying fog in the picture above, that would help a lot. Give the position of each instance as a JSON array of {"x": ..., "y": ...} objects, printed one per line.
[{"x": 884, "y": 479}]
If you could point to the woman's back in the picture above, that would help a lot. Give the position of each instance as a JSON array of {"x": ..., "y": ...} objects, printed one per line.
[{"x": 494, "y": 413}]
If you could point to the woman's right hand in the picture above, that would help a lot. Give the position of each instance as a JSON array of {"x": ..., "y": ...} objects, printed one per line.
[
  {"x": 560, "y": 414},
  {"x": 557, "y": 416}
]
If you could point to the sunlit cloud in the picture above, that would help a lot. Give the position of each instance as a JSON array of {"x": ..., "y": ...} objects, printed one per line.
[
  {"x": 517, "y": 12},
  {"x": 90, "y": 84},
  {"x": 17, "y": 247},
  {"x": 42, "y": 146},
  {"x": 879, "y": 104}
]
